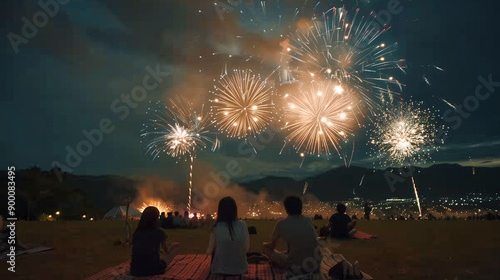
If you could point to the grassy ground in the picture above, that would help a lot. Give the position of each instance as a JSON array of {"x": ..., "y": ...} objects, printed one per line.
[{"x": 406, "y": 250}]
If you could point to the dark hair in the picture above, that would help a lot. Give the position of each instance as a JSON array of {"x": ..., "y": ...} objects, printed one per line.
[
  {"x": 176, "y": 213},
  {"x": 149, "y": 219},
  {"x": 227, "y": 212},
  {"x": 162, "y": 214},
  {"x": 341, "y": 208},
  {"x": 293, "y": 205}
]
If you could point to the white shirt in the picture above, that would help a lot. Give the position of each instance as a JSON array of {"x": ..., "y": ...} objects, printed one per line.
[{"x": 229, "y": 256}]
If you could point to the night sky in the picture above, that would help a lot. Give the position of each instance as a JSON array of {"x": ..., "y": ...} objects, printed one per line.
[{"x": 66, "y": 78}]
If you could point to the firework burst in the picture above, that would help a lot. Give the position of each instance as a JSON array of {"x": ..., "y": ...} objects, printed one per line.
[
  {"x": 162, "y": 207},
  {"x": 405, "y": 134},
  {"x": 178, "y": 131},
  {"x": 335, "y": 47},
  {"x": 318, "y": 117},
  {"x": 242, "y": 104}
]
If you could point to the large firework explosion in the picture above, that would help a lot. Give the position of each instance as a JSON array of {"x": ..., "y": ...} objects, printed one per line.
[
  {"x": 346, "y": 49},
  {"x": 242, "y": 104},
  {"x": 405, "y": 134},
  {"x": 318, "y": 117}
]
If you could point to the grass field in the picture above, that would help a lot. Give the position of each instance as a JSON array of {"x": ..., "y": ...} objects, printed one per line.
[{"x": 406, "y": 250}]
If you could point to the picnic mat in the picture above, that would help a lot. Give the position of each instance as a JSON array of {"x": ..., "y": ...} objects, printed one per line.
[
  {"x": 330, "y": 260},
  {"x": 363, "y": 235},
  {"x": 190, "y": 267}
]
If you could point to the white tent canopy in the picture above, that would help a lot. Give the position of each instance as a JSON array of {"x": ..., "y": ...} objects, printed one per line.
[{"x": 119, "y": 213}]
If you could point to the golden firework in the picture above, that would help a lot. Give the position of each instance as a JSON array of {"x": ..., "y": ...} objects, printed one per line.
[
  {"x": 318, "y": 117},
  {"x": 242, "y": 104}
]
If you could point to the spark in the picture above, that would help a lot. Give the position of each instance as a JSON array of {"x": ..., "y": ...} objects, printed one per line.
[{"x": 448, "y": 103}]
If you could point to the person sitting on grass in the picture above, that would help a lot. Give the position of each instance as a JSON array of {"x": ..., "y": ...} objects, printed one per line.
[
  {"x": 229, "y": 242},
  {"x": 151, "y": 253},
  {"x": 302, "y": 256},
  {"x": 162, "y": 220},
  {"x": 169, "y": 221},
  {"x": 340, "y": 224},
  {"x": 185, "y": 220},
  {"x": 177, "y": 220},
  {"x": 195, "y": 221}
]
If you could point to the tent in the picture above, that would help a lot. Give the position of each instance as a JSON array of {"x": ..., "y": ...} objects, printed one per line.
[{"x": 119, "y": 213}]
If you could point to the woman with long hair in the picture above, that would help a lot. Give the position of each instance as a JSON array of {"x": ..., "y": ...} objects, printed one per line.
[
  {"x": 151, "y": 252},
  {"x": 229, "y": 242}
]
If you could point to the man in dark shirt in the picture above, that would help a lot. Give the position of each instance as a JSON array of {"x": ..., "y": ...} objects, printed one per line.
[
  {"x": 303, "y": 250},
  {"x": 162, "y": 220},
  {"x": 169, "y": 221},
  {"x": 341, "y": 225}
]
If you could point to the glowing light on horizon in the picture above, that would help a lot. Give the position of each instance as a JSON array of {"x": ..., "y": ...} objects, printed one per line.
[{"x": 162, "y": 207}]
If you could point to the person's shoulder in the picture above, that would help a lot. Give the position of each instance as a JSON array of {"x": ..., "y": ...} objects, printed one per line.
[
  {"x": 241, "y": 223},
  {"x": 307, "y": 219},
  {"x": 161, "y": 232},
  {"x": 282, "y": 221}
]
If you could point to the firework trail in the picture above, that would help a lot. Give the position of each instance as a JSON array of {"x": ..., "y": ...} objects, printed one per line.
[
  {"x": 416, "y": 196},
  {"x": 427, "y": 80},
  {"x": 345, "y": 50},
  {"x": 242, "y": 104},
  {"x": 303, "y": 156},
  {"x": 361, "y": 182},
  {"x": 305, "y": 188},
  {"x": 448, "y": 103},
  {"x": 178, "y": 131},
  {"x": 318, "y": 117}
]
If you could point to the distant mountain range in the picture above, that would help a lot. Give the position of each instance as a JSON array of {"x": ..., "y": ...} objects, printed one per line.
[{"x": 343, "y": 183}]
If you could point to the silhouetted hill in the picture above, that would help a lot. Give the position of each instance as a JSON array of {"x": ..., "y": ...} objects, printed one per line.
[
  {"x": 343, "y": 183},
  {"x": 40, "y": 192}
]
